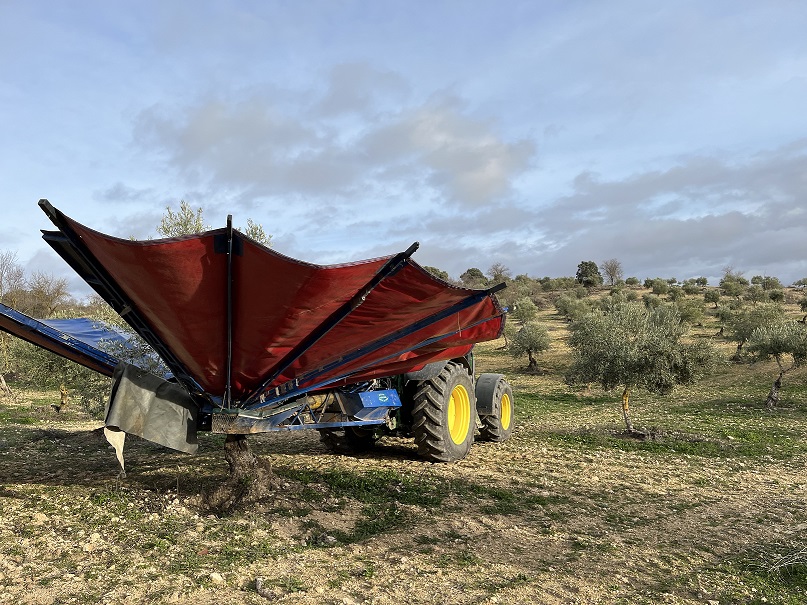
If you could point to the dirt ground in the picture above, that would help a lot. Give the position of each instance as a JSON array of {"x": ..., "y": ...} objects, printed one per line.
[{"x": 546, "y": 517}]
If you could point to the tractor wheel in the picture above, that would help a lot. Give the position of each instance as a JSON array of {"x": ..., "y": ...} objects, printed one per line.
[
  {"x": 348, "y": 440},
  {"x": 495, "y": 407},
  {"x": 444, "y": 415}
]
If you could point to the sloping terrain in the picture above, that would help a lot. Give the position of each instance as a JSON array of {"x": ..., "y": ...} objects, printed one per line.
[{"x": 570, "y": 510}]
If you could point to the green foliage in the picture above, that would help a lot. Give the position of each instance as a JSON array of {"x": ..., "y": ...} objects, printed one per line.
[
  {"x": 733, "y": 283},
  {"x": 474, "y": 278},
  {"x": 660, "y": 286},
  {"x": 780, "y": 340},
  {"x": 767, "y": 282},
  {"x": 571, "y": 307},
  {"x": 530, "y": 340},
  {"x": 691, "y": 311},
  {"x": 743, "y": 322},
  {"x": 690, "y": 287},
  {"x": 755, "y": 294},
  {"x": 184, "y": 221},
  {"x": 588, "y": 274},
  {"x": 628, "y": 345},
  {"x": 187, "y": 221},
  {"x": 676, "y": 293},
  {"x": 36, "y": 368},
  {"x": 438, "y": 273},
  {"x": 712, "y": 296},
  {"x": 255, "y": 231},
  {"x": 550, "y": 284},
  {"x": 632, "y": 281},
  {"x": 651, "y": 301},
  {"x": 525, "y": 310}
]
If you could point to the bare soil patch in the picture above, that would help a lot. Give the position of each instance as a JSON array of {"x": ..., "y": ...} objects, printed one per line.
[{"x": 570, "y": 510}]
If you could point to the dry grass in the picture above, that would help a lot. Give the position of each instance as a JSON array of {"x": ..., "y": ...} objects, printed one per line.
[{"x": 567, "y": 511}]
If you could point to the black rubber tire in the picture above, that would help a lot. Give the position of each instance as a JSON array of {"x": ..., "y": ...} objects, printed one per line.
[
  {"x": 498, "y": 426},
  {"x": 435, "y": 417},
  {"x": 348, "y": 440}
]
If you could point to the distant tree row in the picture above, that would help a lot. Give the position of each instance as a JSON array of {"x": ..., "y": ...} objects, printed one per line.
[{"x": 631, "y": 342}]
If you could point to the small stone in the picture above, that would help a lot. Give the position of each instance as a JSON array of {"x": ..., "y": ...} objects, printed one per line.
[
  {"x": 217, "y": 578},
  {"x": 263, "y": 590}
]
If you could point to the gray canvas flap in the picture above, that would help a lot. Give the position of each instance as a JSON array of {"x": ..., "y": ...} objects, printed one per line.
[{"x": 145, "y": 405}]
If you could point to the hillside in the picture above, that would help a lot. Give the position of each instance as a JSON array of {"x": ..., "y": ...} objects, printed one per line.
[{"x": 705, "y": 509}]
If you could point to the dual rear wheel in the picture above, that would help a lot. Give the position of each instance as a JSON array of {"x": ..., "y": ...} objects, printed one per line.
[
  {"x": 444, "y": 413},
  {"x": 444, "y": 416}
]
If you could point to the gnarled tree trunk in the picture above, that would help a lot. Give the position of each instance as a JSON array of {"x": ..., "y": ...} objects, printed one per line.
[
  {"x": 533, "y": 365},
  {"x": 773, "y": 396},
  {"x": 4, "y": 388},
  {"x": 626, "y": 409},
  {"x": 250, "y": 477}
]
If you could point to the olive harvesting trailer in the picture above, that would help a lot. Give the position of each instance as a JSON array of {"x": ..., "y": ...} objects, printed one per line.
[{"x": 256, "y": 341}]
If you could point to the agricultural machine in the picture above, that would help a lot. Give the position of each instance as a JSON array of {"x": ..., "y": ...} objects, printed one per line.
[{"x": 254, "y": 341}]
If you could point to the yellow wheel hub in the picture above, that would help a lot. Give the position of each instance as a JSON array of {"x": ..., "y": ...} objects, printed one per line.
[
  {"x": 459, "y": 414},
  {"x": 507, "y": 412}
]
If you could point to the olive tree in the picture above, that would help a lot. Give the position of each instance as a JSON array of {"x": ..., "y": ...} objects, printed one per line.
[
  {"x": 786, "y": 343},
  {"x": 249, "y": 477},
  {"x": 629, "y": 346},
  {"x": 571, "y": 307},
  {"x": 712, "y": 296},
  {"x": 742, "y": 322},
  {"x": 530, "y": 340},
  {"x": 524, "y": 311},
  {"x": 187, "y": 220},
  {"x": 184, "y": 221}
]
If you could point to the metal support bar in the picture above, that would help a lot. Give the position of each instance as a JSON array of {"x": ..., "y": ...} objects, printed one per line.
[
  {"x": 314, "y": 387},
  {"x": 228, "y": 393},
  {"x": 391, "y": 267},
  {"x": 73, "y": 250}
]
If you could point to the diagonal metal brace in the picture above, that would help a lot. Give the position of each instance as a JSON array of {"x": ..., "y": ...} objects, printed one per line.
[
  {"x": 292, "y": 388},
  {"x": 391, "y": 267}
]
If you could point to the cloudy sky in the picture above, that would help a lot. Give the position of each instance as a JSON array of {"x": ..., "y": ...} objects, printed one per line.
[{"x": 538, "y": 134}]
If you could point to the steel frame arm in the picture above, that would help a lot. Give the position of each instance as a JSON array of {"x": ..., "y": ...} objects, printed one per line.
[
  {"x": 391, "y": 267},
  {"x": 72, "y": 249}
]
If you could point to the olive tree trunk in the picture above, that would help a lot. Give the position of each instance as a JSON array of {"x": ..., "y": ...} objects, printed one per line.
[
  {"x": 773, "y": 396},
  {"x": 626, "y": 409},
  {"x": 533, "y": 365},
  {"x": 4, "y": 388},
  {"x": 250, "y": 478}
]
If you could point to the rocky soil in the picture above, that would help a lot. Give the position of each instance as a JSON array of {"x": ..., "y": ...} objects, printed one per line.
[{"x": 564, "y": 512}]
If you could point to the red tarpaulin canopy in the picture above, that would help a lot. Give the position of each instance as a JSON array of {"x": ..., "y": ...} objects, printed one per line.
[{"x": 179, "y": 289}]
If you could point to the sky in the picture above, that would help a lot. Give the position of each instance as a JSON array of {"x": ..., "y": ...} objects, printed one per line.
[{"x": 536, "y": 134}]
